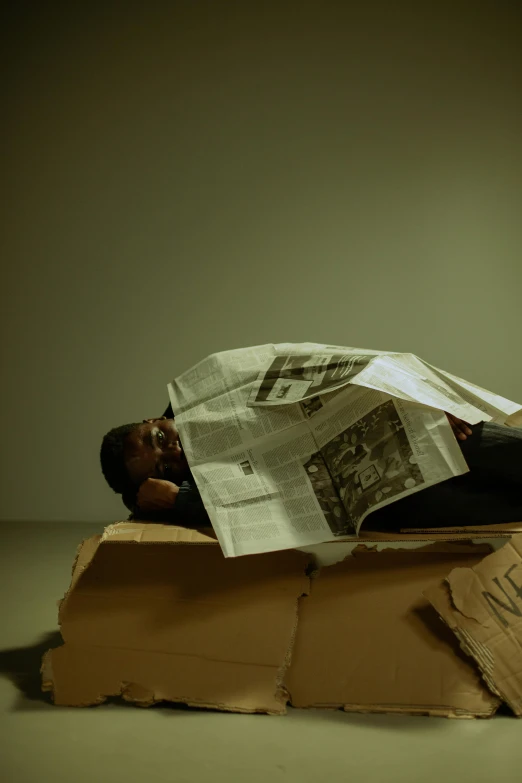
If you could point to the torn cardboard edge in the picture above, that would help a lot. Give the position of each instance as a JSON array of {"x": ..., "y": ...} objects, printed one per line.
[
  {"x": 482, "y": 605},
  {"x": 129, "y": 687}
]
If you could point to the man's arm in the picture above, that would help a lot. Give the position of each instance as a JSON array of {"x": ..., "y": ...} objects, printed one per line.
[{"x": 167, "y": 502}]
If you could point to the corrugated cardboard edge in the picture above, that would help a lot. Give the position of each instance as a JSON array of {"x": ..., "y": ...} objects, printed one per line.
[
  {"x": 425, "y": 711},
  {"x": 84, "y": 555},
  {"x": 482, "y": 531},
  {"x": 434, "y": 534},
  {"x": 437, "y": 547},
  {"x": 46, "y": 673},
  {"x": 441, "y": 597},
  {"x": 152, "y": 533}
]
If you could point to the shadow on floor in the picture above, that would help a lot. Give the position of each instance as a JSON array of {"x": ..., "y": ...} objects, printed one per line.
[{"x": 21, "y": 665}]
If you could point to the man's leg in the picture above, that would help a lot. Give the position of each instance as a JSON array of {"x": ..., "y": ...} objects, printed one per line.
[
  {"x": 457, "y": 501},
  {"x": 494, "y": 454},
  {"x": 490, "y": 493}
]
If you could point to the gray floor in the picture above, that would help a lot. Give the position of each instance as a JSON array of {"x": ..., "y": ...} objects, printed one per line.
[{"x": 123, "y": 743}]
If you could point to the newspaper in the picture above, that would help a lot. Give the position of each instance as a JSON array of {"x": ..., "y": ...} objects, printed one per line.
[{"x": 295, "y": 444}]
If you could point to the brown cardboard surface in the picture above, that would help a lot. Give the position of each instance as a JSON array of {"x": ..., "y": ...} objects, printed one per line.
[
  {"x": 157, "y": 613},
  {"x": 477, "y": 530},
  {"x": 368, "y": 641},
  {"x": 482, "y": 604},
  {"x": 436, "y": 534},
  {"x": 154, "y": 533}
]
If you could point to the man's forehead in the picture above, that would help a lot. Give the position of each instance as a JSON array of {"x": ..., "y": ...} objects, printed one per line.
[
  {"x": 136, "y": 443},
  {"x": 139, "y": 461}
]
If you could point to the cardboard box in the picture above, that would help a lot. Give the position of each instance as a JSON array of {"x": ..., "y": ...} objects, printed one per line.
[
  {"x": 483, "y": 607},
  {"x": 157, "y": 613}
]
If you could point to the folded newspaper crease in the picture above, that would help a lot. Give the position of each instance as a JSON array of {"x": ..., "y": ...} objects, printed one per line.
[{"x": 296, "y": 443}]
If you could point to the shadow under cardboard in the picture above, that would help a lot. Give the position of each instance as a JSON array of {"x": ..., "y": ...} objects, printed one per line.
[{"x": 21, "y": 665}]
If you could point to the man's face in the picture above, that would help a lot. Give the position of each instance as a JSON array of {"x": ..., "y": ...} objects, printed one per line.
[{"x": 153, "y": 450}]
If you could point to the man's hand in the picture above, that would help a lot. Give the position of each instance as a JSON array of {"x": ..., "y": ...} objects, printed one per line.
[
  {"x": 156, "y": 495},
  {"x": 459, "y": 427}
]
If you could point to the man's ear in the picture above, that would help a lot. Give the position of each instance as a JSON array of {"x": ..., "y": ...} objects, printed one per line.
[{"x": 151, "y": 421}]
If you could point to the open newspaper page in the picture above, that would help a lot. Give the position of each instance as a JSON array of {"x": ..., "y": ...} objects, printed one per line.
[
  {"x": 255, "y": 468},
  {"x": 293, "y": 445},
  {"x": 379, "y": 449},
  {"x": 277, "y": 494}
]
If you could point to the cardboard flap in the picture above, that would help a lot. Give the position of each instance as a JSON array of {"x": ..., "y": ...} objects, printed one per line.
[
  {"x": 483, "y": 607},
  {"x": 84, "y": 556}
]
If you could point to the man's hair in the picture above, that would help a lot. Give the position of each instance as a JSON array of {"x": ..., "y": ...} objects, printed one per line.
[{"x": 112, "y": 458}]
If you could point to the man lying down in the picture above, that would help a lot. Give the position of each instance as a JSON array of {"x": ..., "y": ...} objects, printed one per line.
[{"x": 146, "y": 464}]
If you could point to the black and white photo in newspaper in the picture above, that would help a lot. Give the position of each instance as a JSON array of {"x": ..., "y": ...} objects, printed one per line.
[
  {"x": 378, "y": 449},
  {"x": 295, "y": 377}
]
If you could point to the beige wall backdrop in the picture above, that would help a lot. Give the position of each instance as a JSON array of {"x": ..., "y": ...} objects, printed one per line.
[{"x": 189, "y": 177}]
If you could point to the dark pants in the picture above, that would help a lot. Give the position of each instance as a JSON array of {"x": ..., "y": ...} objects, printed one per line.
[{"x": 490, "y": 493}]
